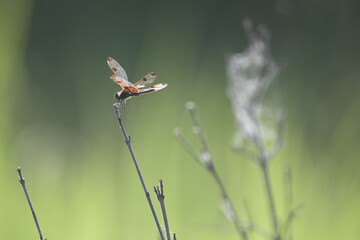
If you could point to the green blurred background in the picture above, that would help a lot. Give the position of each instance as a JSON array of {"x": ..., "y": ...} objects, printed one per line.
[{"x": 57, "y": 118}]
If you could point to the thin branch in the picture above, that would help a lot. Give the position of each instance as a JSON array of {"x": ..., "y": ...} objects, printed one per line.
[
  {"x": 128, "y": 143},
  {"x": 159, "y": 191},
  {"x": 290, "y": 219},
  {"x": 288, "y": 186},
  {"x": 22, "y": 182},
  {"x": 252, "y": 226},
  {"x": 191, "y": 108},
  {"x": 186, "y": 145},
  {"x": 237, "y": 221},
  {"x": 263, "y": 162},
  {"x": 206, "y": 159},
  {"x": 269, "y": 192},
  {"x": 292, "y": 212}
]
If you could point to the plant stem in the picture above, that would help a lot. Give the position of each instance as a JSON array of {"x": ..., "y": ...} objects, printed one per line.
[
  {"x": 163, "y": 209},
  {"x": 210, "y": 166},
  {"x": 264, "y": 161},
  {"x": 22, "y": 182},
  {"x": 128, "y": 143},
  {"x": 269, "y": 192},
  {"x": 237, "y": 222},
  {"x": 159, "y": 190}
]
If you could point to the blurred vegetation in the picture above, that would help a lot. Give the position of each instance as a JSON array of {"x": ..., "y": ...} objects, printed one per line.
[{"x": 57, "y": 118}]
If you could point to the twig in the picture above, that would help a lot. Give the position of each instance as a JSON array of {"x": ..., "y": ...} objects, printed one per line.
[
  {"x": 159, "y": 191},
  {"x": 292, "y": 212},
  {"x": 187, "y": 146},
  {"x": 290, "y": 219},
  {"x": 22, "y": 182},
  {"x": 263, "y": 162},
  {"x": 288, "y": 186},
  {"x": 269, "y": 192},
  {"x": 128, "y": 143},
  {"x": 206, "y": 159},
  {"x": 255, "y": 227}
]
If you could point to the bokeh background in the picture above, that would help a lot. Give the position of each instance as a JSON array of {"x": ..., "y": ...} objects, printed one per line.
[{"x": 57, "y": 119}]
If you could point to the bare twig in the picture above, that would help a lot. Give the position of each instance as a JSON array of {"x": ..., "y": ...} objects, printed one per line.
[
  {"x": 292, "y": 212},
  {"x": 186, "y": 145},
  {"x": 252, "y": 226},
  {"x": 288, "y": 197},
  {"x": 263, "y": 162},
  {"x": 22, "y": 182},
  {"x": 128, "y": 143},
  {"x": 269, "y": 192},
  {"x": 286, "y": 229},
  {"x": 205, "y": 158},
  {"x": 159, "y": 191}
]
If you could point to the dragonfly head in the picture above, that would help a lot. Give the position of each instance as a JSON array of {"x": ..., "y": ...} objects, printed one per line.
[
  {"x": 122, "y": 95},
  {"x": 117, "y": 96}
]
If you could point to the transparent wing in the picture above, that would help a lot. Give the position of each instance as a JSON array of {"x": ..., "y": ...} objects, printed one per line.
[
  {"x": 116, "y": 68},
  {"x": 146, "y": 80},
  {"x": 153, "y": 88},
  {"x": 121, "y": 82}
]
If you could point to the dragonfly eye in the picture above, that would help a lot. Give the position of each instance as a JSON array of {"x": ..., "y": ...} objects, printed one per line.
[{"x": 117, "y": 96}]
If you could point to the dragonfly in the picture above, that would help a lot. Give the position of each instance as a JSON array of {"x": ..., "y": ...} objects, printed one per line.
[{"x": 131, "y": 89}]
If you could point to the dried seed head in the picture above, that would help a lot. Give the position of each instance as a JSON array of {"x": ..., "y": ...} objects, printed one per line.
[
  {"x": 190, "y": 105},
  {"x": 206, "y": 159},
  {"x": 250, "y": 73}
]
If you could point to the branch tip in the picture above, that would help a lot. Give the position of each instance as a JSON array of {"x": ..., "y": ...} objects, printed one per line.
[
  {"x": 177, "y": 132},
  {"x": 190, "y": 105}
]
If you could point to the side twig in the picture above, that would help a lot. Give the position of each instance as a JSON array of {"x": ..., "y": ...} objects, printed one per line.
[
  {"x": 205, "y": 158},
  {"x": 291, "y": 210},
  {"x": 263, "y": 161},
  {"x": 128, "y": 143},
  {"x": 289, "y": 202},
  {"x": 292, "y": 215},
  {"x": 22, "y": 182},
  {"x": 271, "y": 200},
  {"x": 252, "y": 226},
  {"x": 159, "y": 191}
]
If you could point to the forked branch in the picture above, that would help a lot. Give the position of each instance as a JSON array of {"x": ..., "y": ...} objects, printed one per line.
[{"x": 159, "y": 191}]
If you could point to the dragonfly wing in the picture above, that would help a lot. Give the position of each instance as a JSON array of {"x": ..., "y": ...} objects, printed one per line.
[
  {"x": 146, "y": 80},
  {"x": 116, "y": 68},
  {"x": 153, "y": 88},
  {"x": 121, "y": 82}
]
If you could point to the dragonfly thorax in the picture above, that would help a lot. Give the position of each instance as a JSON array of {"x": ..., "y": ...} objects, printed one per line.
[{"x": 122, "y": 95}]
